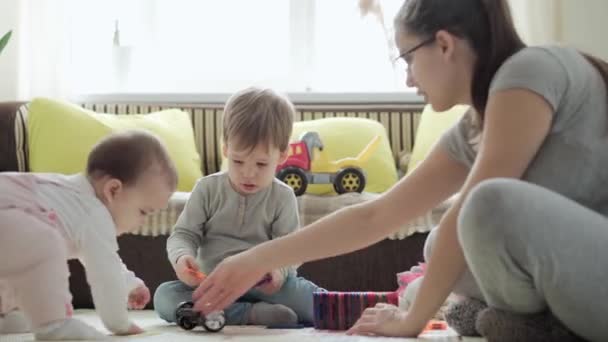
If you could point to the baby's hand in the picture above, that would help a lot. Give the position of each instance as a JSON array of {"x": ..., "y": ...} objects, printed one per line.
[
  {"x": 187, "y": 271},
  {"x": 139, "y": 297},
  {"x": 274, "y": 284}
]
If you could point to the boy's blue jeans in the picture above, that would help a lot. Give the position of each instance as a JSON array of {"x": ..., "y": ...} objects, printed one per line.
[{"x": 296, "y": 294}]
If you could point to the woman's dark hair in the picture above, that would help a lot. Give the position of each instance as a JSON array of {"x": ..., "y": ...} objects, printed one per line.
[
  {"x": 486, "y": 24},
  {"x": 602, "y": 68}
]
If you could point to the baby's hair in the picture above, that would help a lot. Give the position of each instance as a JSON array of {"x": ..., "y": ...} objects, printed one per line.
[
  {"x": 256, "y": 116},
  {"x": 127, "y": 155}
]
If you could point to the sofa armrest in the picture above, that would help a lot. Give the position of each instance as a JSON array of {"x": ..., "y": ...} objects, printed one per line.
[{"x": 11, "y": 140}]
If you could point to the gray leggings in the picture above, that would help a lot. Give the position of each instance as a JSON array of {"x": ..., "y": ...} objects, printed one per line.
[{"x": 529, "y": 249}]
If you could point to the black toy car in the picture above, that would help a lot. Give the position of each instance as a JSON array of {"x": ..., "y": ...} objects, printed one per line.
[{"x": 188, "y": 319}]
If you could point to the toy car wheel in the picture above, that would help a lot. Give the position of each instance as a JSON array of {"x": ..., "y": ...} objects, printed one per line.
[
  {"x": 185, "y": 305},
  {"x": 186, "y": 318},
  {"x": 215, "y": 321},
  {"x": 295, "y": 178},
  {"x": 349, "y": 180},
  {"x": 186, "y": 323}
]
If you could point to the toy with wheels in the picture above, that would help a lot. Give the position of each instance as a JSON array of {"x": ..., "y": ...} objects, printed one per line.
[
  {"x": 301, "y": 168},
  {"x": 188, "y": 319}
]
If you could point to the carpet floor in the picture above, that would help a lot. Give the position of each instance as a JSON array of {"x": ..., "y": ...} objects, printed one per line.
[{"x": 158, "y": 330}]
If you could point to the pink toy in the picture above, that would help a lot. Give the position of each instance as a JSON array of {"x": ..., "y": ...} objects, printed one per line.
[
  {"x": 405, "y": 278},
  {"x": 436, "y": 325}
]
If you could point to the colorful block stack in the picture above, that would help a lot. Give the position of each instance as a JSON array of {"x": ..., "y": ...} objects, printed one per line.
[{"x": 340, "y": 310}]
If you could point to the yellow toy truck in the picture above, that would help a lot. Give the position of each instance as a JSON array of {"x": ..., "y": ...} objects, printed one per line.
[{"x": 302, "y": 167}]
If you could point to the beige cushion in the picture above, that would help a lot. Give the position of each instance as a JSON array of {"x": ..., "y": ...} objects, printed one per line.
[
  {"x": 314, "y": 207},
  {"x": 162, "y": 222},
  {"x": 311, "y": 208},
  {"x": 61, "y": 136}
]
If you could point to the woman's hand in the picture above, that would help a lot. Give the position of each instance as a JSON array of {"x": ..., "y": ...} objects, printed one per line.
[
  {"x": 384, "y": 320},
  {"x": 229, "y": 280}
]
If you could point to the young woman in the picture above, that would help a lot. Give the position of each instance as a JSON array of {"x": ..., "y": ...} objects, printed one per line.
[{"x": 529, "y": 161}]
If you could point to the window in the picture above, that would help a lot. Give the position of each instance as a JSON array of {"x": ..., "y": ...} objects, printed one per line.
[{"x": 206, "y": 46}]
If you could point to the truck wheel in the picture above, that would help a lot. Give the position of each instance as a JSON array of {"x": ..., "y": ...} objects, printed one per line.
[
  {"x": 349, "y": 180},
  {"x": 295, "y": 178}
]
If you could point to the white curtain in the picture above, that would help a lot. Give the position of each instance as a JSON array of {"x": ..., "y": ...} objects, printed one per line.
[
  {"x": 8, "y": 58},
  {"x": 581, "y": 24},
  {"x": 36, "y": 59},
  {"x": 538, "y": 21}
]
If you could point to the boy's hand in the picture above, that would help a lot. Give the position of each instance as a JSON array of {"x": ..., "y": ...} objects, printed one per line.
[
  {"x": 274, "y": 284},
  {"x": 139, "y": 297},
  {"x": 187, "y": 271}
]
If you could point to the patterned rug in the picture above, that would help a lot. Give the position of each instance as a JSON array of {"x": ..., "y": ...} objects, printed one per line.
[{"x": 157, "y": 330}]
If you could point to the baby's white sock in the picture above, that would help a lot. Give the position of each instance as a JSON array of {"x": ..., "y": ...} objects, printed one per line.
[
  {"x": 14, "y": 322},
  {"x": 68, "y": 329}
]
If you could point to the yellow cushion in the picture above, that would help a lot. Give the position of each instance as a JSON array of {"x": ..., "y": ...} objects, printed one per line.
[
  {"x": 431, "y": 127},
  {"x": 61, "y": 135},
  {"x": 347, "y": 137}
]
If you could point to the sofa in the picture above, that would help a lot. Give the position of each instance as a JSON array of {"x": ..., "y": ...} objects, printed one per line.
[{"x": 373, "y": 268}]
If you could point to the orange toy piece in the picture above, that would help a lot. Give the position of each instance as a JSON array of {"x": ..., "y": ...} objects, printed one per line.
[
  {"x": 198, "y": 274},
  {"x": 436, "y": 325}
]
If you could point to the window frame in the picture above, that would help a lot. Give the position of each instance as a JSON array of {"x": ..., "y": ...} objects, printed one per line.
[{"x": 300, "y": 65}]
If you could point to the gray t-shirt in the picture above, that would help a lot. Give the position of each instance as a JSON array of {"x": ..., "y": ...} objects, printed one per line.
[
  {"x": 218, "y": 222},
  {"x": 573, "y": 159}
]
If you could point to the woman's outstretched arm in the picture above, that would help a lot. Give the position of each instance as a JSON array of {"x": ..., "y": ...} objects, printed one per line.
[{"x": 349, "y": 229}]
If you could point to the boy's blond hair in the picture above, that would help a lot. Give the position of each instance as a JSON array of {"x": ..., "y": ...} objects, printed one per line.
[
  {"x": 256, "y": 116},
  {"x": 127, "y": 155}
]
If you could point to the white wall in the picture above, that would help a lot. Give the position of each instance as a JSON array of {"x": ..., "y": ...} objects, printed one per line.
[
  {"x": 9, "y": 14},
  {"x": 536, "y": 20},
  {"x": 584, "y": 24},
  {"x": 580, "y": 23}
]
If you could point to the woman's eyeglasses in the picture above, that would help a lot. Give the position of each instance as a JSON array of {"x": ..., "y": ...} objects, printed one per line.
[{"x": 407, "y": 55}]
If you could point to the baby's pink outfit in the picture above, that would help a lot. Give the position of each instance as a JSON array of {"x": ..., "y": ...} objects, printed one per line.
[{"x": 46, "y": 219}]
